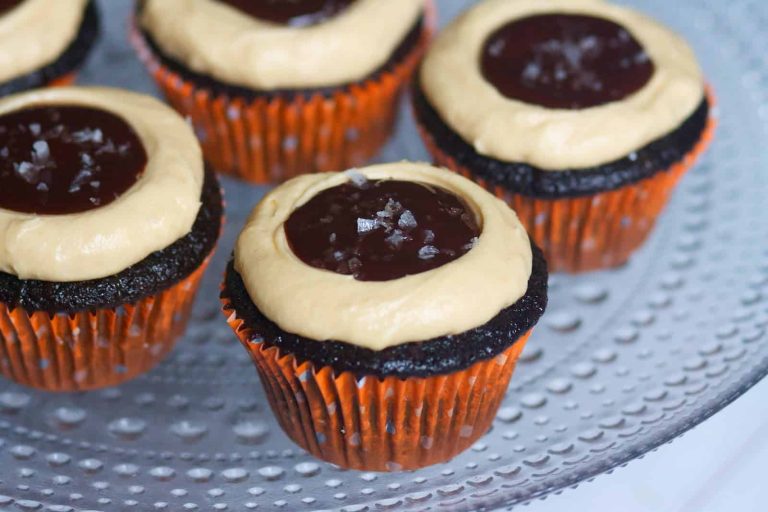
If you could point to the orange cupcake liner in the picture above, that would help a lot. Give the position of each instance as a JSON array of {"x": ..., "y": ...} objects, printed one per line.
[
  {"x": 379, "y": 424},
  {"x": 594, "y": 232},
  {"x": 90, "y": 350},
  {"x": 270, "y": 140},
  {"x": 64, "y": 80}
]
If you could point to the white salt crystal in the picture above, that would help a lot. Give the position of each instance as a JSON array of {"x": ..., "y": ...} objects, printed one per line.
[
  {"x": 27, "y": 171},
  {"x": 407, "y": 220},
  {"x": 428, "y": 252},
  {"x": 41, "y": 149},
  {"x": 356, "y": 178},
  {"x": 471, "y": 245},
  {"x": 365, "y": 225},
  {"x": 396, "y": 239}
]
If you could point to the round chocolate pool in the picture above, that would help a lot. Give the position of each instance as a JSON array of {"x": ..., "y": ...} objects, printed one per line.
[
  {"x": 565, "y": 61},
  {"x": 381, "y": 230},
  {"x": 66, "y": 159},
  {"x": 296, "y": 13}
]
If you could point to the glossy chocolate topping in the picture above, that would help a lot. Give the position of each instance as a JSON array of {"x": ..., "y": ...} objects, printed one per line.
[
  {"x": 296, "y": 13},
  {"x": 565, "y": 61},
  {"x": 7, "y": 5},
  {"x": 66, "y": 159},
  {"x": 381, "y": 230}
]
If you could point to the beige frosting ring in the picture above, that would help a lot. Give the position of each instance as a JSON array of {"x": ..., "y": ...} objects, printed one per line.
[
  {"x": 323, "y": 305},
  {"x": 555, "y": 139},
  {"x": 157, "y": 210},
  {"x": 35, "y": 33},
  {"x": 215, "y": 39}
]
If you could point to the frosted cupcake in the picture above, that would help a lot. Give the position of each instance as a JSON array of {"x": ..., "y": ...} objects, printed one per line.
[
  {"x": 44, "y": 42},
  {"x": 581, "y": 114},
  {"x": 107, "y": 222},
  {"x": 277, "y": 89},
  {"x": 385, "y": 310}
]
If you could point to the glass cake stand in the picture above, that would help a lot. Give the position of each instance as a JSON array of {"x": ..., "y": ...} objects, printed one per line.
[{"x": 622, "y": 362}]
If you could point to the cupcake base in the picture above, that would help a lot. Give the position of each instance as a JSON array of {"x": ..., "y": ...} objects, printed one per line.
[
  {"x": 379, "y": 423},
  {"x": 589, "y": 220},
  {"x": 401, "y": 408},
  {"x": 269, "y": 137},
  {"x": 94, "y": 349},
  {"x": 63, "y": 70}
]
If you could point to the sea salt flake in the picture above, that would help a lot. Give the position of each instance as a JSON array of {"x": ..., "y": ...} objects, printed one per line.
[
  {"x": 429, "y": 236},
  {"x": 81, "y": 178},
  {"x": 88, "y": 135},
  {"x": 391, "y": 209},
  {"x": 356, "y": 178},
  {"x": 27, "y": 171},
  {"x": 34, "y": 129},
  {"x": 471, "y": 245},
  {"x": 107, "y": 147},
  {"x": 365, "y": 225},
  {"x": 332, "y": 238},
  {"x": 41, "y": 150},
  {"x": 428, "y": 252},
  {"x": 396, "y": 239},
  {"x": 407, "y": 220}
]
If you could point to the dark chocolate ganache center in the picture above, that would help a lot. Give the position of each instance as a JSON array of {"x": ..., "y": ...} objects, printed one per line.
[
  {"x": 381, "y": 230},
  {"x": 7, "y": 5},
  {"x": 565, "y": 61},
  {"x": 66, "y": 159},
  {"x": 296, "y": 13}
]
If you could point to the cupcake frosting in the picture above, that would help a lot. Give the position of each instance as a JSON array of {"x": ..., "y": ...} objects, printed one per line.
[
  {"x": 227, "y": 41},
  {"x": 377, "y": 312},
  {"x": 650, "y": 83},
  {"x": 145, "y": 196},
  {"x": 33, "y": 33}
]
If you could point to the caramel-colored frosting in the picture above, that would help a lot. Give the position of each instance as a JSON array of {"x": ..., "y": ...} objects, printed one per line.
[
  {"x": 215, "y": 39},
  {"x": 324, "y": 305},
  {"x": 158, "y": 209},
  {"x": 554, "y": 139},
  {"x": 35, "y": 33}
]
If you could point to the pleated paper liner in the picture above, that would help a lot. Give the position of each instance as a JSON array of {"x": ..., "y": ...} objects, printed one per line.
[
  {"x": 94, "y": 349},
  {"x": 592, "y": 232},
  {"x": 64, "y": 80},
  {"x": 269, "y": 140},
  {"x": 379, "y": 424}
]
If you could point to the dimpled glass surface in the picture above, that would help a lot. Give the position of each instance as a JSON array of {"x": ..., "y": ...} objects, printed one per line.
[{"x": 622, "y": 362}]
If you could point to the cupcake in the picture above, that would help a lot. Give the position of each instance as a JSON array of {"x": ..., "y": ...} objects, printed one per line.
[
  {"x": 44, "y": 42},
  {"x": 107, "y": 222},
  {"x": 279, "y": 89},
  {"x": 385, "y": 310},
  {"x": 581, "y": 114}
]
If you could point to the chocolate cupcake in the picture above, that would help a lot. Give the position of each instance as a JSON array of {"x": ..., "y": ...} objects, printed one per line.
[
  {"x": 582, "y": 115},
  {"x": 44, "y": 42},
  {"x": 385, "y": 310},
  {"x": 107, "y": 222},
  {"x": 279, "y": 89}
]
